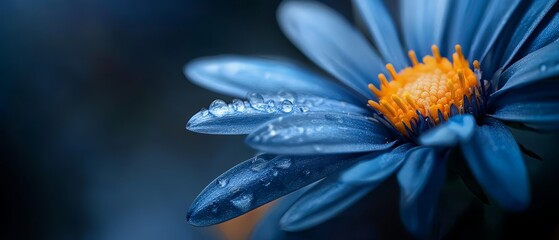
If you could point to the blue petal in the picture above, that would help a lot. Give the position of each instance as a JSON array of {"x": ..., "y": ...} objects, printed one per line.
[
  {"x": 268, "y": 228},
  {"x": 423, "y": 23},
  {"x": 321, "y": 133},
  {"x": 496, "y": 162},
  {"x": 383, "y": 31},
  {"x": 322, "y": 202},
  {"x": 546, "y": 33},
  {"x": 493, "y": 21},
  {"x": 243, "y": 117},
  {"x": 536, "y": 66},
  {"x": 376, "y": 170},
  {"x": 457, "y": 30},
  {"x": 457, "y": 129},
  {"x": 534, "y": 13},
  {"x": 418, "y": 211},
  {"x": 536, "y": 105},
  {"x": 238, "y": 75},
  {"x": 332, "y": 43},
  {"x": 257, "y": 181},
  {"x": 416, "y": 171}
]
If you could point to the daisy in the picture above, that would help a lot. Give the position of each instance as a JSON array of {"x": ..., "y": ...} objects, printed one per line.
[{"x": 450, "y": 78}]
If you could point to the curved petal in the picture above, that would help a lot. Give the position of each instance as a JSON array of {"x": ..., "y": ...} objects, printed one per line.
[
  {"x": 331, "y": 42},
  {"x": 243, "y": 117},
  {"x": 458, "y": 31},
  {"x": 496, "y": 162},
  {"x": 335, "y": 194},
  {"x": 413, "y": 176},
  {"x": 536, "y": 66},
  {"x": 533, "y": 14},
  {"x": 322, "y": 133},
  {"x": 423, "y": 23},
  {"x": 496, "y": 16},
  {"x": 535, "y": 105},
  {"x": 376, "y": 170},
  {"x": 457, "y": 129},
  {"x": 418, "y": 213},
  {"x": 268, "y": 228},
  {"x": 546, "y": 33},
  {"x": 322, "y": 202},
  {"x": 383, "y": 31},
  {"x": 238, "y": 75},
  {"x": 257, "y": 181}
]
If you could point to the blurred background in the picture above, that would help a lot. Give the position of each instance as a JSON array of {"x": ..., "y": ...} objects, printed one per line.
[{"x": 94, "y": 104}]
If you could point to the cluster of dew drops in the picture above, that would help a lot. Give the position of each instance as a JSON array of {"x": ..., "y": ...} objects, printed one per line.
[
  {"x": 258, "y": 164},
  {"x": 284, "y": 102}
]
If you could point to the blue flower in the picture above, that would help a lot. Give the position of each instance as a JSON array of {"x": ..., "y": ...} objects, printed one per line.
[{"x": 410, "y": 123}]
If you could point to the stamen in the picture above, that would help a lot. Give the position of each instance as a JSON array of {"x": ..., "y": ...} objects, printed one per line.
[
  {"x": 413, "y": 57},
  {"x": 476, "y": 65},
  {"x": 374, "y": 89},
  {"x": 459, "y": 51},
  {"x": 436, "y": 52},
  {"x": 392, "y": 71},
  {"x": 387, "y": 107},
  {"x": 383, "y": 80},
  {"x": 399, "y": 102}
]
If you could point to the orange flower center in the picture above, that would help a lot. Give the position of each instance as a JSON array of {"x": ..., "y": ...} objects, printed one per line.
[{"x": 430, "y": 87}]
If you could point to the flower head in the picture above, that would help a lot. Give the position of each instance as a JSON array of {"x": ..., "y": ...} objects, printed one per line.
[{"x": 401, "y": 116}]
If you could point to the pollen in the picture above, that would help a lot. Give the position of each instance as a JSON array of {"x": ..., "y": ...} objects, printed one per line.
[{"x": 429, "y": 88}]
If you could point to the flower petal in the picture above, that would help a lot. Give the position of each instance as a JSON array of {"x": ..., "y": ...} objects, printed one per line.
[
  {"x": 423, "y": 23},
  {"x": 535, "y": 105},
  {"x": 493, "y": 21},
  {"x": 536, "y": 66},
  {"x": 257, "y": 181},
  {"x": 413, "y": 176},
  {"x": 418, "y": 213},
  {"x": 376, "y": 170},
  {"x": 330, "y": 41},
  {"x": 320, "y": 133},
  {"x": 383, "y": 31},
  {"x": 497, "y": 164},
  {"x": 457, "y": 30},
  {"x": 545, "y": 33},
  {"x": 268, "y": 227},
  {"x": 243, "y": 117},
  {"x": 533, "y": 14},
  {"x": 322, "y": 202},
  {"x": 457, "y": 129},
  {"x": 238, "y": 75}
]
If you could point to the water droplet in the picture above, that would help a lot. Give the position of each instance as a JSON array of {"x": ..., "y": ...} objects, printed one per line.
[
  {"x": 219, "y": 108},
  {"x": 242, "y": 202},
  {"x": 258, "y": 164},
  {"x": 304, "y": 109},
  {"x": 235, "y": 189},
  {"x": 256, "y": 101},
  {"x": 270, "y": 106},
  {"x": 543, "y": 67},
  {"x": 283, "y": 163},
  {"x": 275, "y": 173},
  {"x": 222, "y": 182},
  {"x": 238, "y": 105},
  {"x": 286, "y": 106},
  {"x": 285, "y": 95},
  {"x": 214, "y": 209},
  {"x": 204, "y": 112}
]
